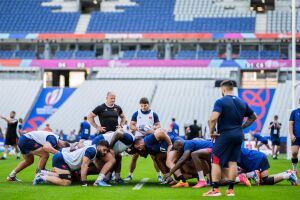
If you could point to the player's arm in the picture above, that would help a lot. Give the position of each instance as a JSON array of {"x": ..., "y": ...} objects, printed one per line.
[
  {"x": 249, "y": 121},
  {"x": 156, "y": 126},
  {"x": 7, "y": 120},
  {"x": 156, "y": 122},
  {"x": 200, "y": 132},
  {"x": 91, "y": 120},
  {"x": 212, "y": 123},
  {"x": 270, "y": 125},
  {"x": 84, "y": 169},
  {"x": 186, "y": 155},
  {"x": 49, "y": 148},
  {"x": 122, "y": 116},
  {"x": 133, "y": 126},
  {"x": 80, "y": 128},
  {"x": 116, "y": 137},
  {"x": 291, "y": 131},
  {"x": 160, "y": 135}
]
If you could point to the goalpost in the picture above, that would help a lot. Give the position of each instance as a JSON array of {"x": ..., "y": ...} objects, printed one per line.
[{"x": 294, "y": 83}]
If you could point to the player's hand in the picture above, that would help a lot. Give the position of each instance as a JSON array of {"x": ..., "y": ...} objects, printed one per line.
[
  {"x": 167, "y": 175},
  {"x": 293, "y": 138},
  {"x": 214, "y": 135},
  {"x": 101, "y": 128}
]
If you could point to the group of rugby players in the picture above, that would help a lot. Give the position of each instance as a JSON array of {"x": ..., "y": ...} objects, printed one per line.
[{"x": 219, "y": 161}]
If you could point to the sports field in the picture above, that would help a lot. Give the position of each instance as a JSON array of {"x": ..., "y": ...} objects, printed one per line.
[{"x": 151, "y": 190}]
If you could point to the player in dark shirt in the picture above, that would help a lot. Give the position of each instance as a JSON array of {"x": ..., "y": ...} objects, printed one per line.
[
  {"x": 228, "y": 114},
  {"x": 294, "y": 130},
  {"x": 275, "y": 136},
  {"x": 108, "y": 114},
  {"x": 84, "y": 130},
  {"x": 11, "y": 134},
  {"x": 193, "y": 131}
]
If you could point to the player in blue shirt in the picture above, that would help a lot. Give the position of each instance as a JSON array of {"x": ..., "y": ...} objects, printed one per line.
[
  {"x": 174, "y": 126},
  {"x": 260, "y": 140},
  {"x": 228, "y": 114},
  {"x": 199, "y": 151},
  {"x": 255, "y": 164},
  {"x": 294, "y": 127},
  {"x": 84, "y": 130}
]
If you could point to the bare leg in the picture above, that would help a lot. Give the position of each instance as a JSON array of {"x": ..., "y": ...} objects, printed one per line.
[
  {"x": 118, "y": 166},
  {"x": 133, "y": 163},
  {"x": 172, "y": 158},
  {"x": 5, "y": 151},
  {"x": 28, "y": 160},
  {"x": 55, "y": 179}
]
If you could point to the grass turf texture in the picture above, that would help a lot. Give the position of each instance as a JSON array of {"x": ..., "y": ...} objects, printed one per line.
[{"x": 151, "y": 190}]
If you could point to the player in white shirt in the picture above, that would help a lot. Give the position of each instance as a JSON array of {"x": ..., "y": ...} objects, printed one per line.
[{"x": 39, "y": 143}]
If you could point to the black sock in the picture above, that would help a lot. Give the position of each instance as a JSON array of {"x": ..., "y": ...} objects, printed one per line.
[
  {"x": 230, "y": 184},
  {"x": 215, "y": 185},
  {"x": 181, "y": 178},
  {"x": 294, "y": 160}
]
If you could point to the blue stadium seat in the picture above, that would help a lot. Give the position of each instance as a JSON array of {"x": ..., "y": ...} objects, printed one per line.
[
  {"x": 26, "y": 54},
  {"x": 85, "y": 54},
  {"x": 63, "y": 55},
  {"x": 6, "y": 54},
  {"x": 18, "y": 16}
]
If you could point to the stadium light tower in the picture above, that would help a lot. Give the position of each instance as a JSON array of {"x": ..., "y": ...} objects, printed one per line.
[{"x": 294, "y": 54}]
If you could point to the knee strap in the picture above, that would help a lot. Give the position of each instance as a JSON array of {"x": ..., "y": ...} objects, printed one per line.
[
  {"x": 65, "y": 176},
  {"x": 268, "y": 181}
]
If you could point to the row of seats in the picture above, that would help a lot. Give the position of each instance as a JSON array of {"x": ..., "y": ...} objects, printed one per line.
[
  {"x": 18, "y": 16},
  {"x": 146, "y": 55}
]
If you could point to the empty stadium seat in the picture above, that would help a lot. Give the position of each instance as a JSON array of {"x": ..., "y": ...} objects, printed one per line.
[
  {"x": 85, "y": 54},
  {"x": 26, "y": 54},
  {"x": 6, "y": 54},
  {"x": 18, "y": 16},
  {"x": 63, "y": 55}
]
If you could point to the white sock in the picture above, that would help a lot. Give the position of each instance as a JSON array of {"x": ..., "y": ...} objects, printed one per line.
[
  {"x": 237, "y": 179},
  {"x": 159, "y": 173},
  {"x": 18, "y": 154},
  {"x": 100, "y": 177},
  {"x": 44, "y": 177},
  {"x": 286, "y": 176},
  {"x": 4, "y": 155},
  {"x": 295, "y": 166},
  {"x": 13, "y": 173},
  {"x": 44, "y": 172},
  {"x": 250, "y": 175},
  {"x": 201, "y": 175},
  {"x": 130, "y": 174}
]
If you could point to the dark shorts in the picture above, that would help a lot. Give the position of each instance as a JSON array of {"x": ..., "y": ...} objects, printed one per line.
[
  {"x": 275, "y": 141},
  {"x": 296, "y": 142},
  {"x": 264, "y": 141},
  {"x": 59, "y": 162},
  {"x": 127, "y": 139},
  {"x": 27, "y": 145},
  {"x": 11, "y": 140},
  {"x": 264, "y": 164},
  {"x": 227, "y": 148},
  {"x": 84, "y": 136}
]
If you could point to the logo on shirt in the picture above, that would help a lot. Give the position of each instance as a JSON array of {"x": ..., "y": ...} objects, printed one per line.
[
  {"x": 150, "y": 117},
  {"x": 115, "y": 109}
]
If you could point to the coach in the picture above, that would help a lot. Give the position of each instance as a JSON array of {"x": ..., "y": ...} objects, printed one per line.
[
  {"x": 228, "y": 114},
  {"x": 108, "y": 114}
]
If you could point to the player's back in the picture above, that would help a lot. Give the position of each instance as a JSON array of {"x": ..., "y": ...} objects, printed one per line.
[
  {"x": 233, "y": 110},
  {"x": 197, "y": 144},
  {"x": 250, "y": 159}
]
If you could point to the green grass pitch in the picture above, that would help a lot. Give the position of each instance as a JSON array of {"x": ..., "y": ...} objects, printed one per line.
[{"x": 151, "y": 190}]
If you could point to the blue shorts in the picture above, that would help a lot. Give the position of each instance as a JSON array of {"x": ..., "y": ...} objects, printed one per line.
[
  {"x": 264, "y": 164},
  {"x": 127, "y": 139},
  {"x": 275, "y": 141},
  {"x": 59, "y": 162},
  {"x": 227, "y": 148},
  {"x": 84, "y": 136},
  {"x": 264, "y": 141},
  {"x": 27, "y": 145},
  {"x": 296, "y": 142},
  {"x": 97, "y": 139}
]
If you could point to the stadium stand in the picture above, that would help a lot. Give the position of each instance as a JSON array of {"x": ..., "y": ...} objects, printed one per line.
[
  {"x": 173, "y": 16},
  {"x": 25, "y": 54},
  {"x": 31, "y": 17},
  {"x": 6, "y": 54},
  {"x": 85, "y": 55},
  {"x": 22, "y": 92},
  {"x": 63, "y": 55}
]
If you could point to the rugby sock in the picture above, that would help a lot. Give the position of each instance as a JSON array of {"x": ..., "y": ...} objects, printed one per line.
[
  {"x": 215, "y": 185},
  {"x": 18, "y": 154},
  {"x": 250, "y": 174},
  {"x": 13, "y": 173},
  {"x": 237, "y": 179},
  {"x": 201, "y": 175},
  {"x": 100, "y": 177},
  {"x": 295, "y": 164},
  {"x": 44, "y": 178},
  {"x": 286, "y": 176},
  {"x": 130, "y": 174},
  {"x": 230, "y": 184},
  {"x": 159, "y": 173},
  {"x": 4, "y": 155}
]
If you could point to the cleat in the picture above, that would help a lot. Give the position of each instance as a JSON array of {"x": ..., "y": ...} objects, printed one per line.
[
  {"x": 18, "y": 158},
  {"x": 160, "y": 179},
  {"x": 119, "y": 181},
  {"x": 257, "y": 177},
  {"x": 200, "y": 184},
  {"x": 213, "y": 193},
  {"x": 293, "y": 177},
  {"x": 180, "y": 184},
  {"x": 38, "y": 180},
  {"x": 13, "y": 179},
  {"x": 128, "y": 178},
  {"x": 3, "y": 158},
  {"x": 230, "y": 193},
  {"x": 244, "y": 180},
  {"x": 101, "y": 184}
]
